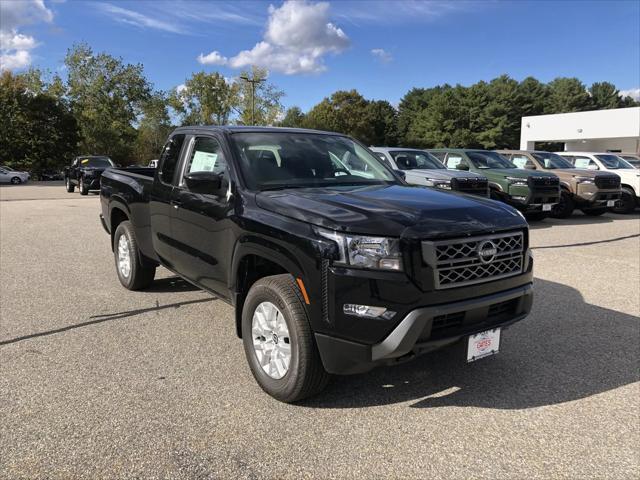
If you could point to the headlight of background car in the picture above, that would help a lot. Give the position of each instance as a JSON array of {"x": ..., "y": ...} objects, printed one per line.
[
  {"x": 366, "y": 252},
  {"x": 521, "y": 182},
  {"x": 584, "y": 180},
  {"x": 446, "y": 184}
]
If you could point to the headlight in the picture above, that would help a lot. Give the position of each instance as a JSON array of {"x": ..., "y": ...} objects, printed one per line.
[
  {"x": 431, "y": 182},
  {"x": 584, "y": 179},
  {"x": 519, "y": 181},
  {"x": 366, "y": 252}
]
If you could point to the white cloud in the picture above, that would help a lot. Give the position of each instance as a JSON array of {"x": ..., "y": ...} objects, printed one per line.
[
  {"x": 213, "y": 58},
  {"x": 137, "y": 19},
  {"x": 632, "y": 92},
  {"x": 382, "y": 55},
  {"x": 15, "y": 47},
  {"x": 403, "y": 11},
  {"x": 298, "y": 37}
]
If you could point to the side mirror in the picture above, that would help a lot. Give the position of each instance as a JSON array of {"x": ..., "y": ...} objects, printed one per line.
[
  {"x": 205, "y": 182},
  {"x": 529, "y": 166},
  {"x": 462, "y": 166}
]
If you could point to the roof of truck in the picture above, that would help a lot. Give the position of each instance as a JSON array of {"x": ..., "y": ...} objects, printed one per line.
[{"x": 254, "y": 129}]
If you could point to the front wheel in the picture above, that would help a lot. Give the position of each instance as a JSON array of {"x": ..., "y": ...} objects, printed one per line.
[
  {"x": 132, "y": 273},
  {"x": 564, "y": 208},
  {"x": 278, "y": 341},
  {"x": 70, "y": 187},
  {"x": 16, "y": 181},
  {"x": 627, "y": 202},
  {"x": 84, "y": 190}
]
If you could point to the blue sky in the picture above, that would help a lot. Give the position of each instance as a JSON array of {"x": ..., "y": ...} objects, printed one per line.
[{"x": 380, "y": 48}]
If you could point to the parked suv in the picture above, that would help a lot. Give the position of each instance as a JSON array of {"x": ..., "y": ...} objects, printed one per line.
[
  {"x": 422, "y": 168},
  {"x": 330, "y": 270},
  {"x": 632, "y": 158},
  {"x": 612, "y": 163},
  {"x": 85, "y": 172},
  {"x": 533, "y": 193},
  {"x": 592, "y": 192}
]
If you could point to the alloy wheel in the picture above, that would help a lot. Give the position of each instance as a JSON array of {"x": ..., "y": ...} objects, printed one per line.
[
  {"x": 124, "y": 257},
  {"x": 271, "y": 340}
]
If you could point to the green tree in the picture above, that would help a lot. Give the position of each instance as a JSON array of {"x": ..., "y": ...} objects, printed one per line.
[
  {"x": 153, "y": 128},
  {"x": 264, "y": 99},
  {"x": 414, "y": 102},
  {"x": 566, "y": 95},
  {"x": 205, "y": 99},
  {"x": 343, "y": 112},
  {"x": 106, "y": 97},
  {"x": 38, "y": 130},
  {"x": 605, "y": 95},
  {"x": 384, "y": 122},
  {"x": 293, "y": 118}
]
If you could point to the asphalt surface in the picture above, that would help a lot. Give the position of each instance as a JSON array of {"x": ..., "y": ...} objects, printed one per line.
[{"x": 100, "y": 382}]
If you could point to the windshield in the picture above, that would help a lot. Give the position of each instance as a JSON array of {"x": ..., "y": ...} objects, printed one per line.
[
  {"x": 276, "y": 160},
  {"x": 614, "y": 162},
  {"x": 411, "y": 160},
  {"x": 96, "y": 162},
  {"x": 552, "y": 160},
  {"x": 489, "y": 160}
]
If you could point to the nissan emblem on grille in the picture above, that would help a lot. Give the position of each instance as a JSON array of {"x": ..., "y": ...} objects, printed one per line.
[{"x": 487, "y": 251}]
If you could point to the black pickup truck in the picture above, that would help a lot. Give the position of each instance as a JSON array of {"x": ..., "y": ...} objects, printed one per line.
[
  {"x": 85, "y": 172},
  {"x": 331, "y": 270}
]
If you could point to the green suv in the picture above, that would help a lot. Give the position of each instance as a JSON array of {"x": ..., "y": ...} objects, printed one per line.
[{"x": 532, "y": 192}]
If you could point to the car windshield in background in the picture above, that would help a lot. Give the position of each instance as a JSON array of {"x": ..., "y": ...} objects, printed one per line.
[
  {"x": 411, "y": 160},
  {"x": 97, "y": 162},
  {"x": 614, "y": 162},
  {"x": 489, "y": 160},
  {"x": 276, "y": 160},
  {"x": 552, "y": 160}
]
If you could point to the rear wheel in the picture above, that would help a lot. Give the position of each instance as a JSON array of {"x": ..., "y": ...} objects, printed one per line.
[
  {"x": 132, "y": 272},
  {"x": 84, "y": 190},
  {"x": 278, "y": 340},
  {"x": 627, "y": 201},
  {"x": 594, "y": 212},
  {"x": 564, "y": 208},
  {"x": 16, "y": 181},
  {"x": 70, "y": 187}
]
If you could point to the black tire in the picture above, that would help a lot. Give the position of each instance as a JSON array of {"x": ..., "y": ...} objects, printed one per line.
[
  {"x": 306, "y": 375},
  {"x": 594, "y": 212},
  {"x": 84, "y": 190},
  {"x": 140, "y": 276},
  {"x": 70, "y": 187},
  {"x": 627, "y": 203},
  {"x": 564, "y": 208},
  {"x": 535, "y": 216},
  {"x": 16, "y": 181}
]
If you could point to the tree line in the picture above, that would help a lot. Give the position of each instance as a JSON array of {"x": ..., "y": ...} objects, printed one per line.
[{"x": 105, "y": 106}]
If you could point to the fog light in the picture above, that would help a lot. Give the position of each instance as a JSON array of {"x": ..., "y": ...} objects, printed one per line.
[{"x": 367, "y": 311}]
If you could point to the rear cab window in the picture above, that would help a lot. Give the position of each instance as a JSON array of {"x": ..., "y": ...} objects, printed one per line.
[{"x": 170, "y": 157}]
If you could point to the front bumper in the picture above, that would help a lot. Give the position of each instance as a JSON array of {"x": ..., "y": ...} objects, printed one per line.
[
  {"x": 530, "y": 199},
  {"x": 591, "y": 195},
  {"x": 426, "y": 329}
]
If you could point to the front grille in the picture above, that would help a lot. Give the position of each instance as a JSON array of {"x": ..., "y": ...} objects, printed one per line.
[
  {"x": 544, "y": 182},
  {"x": 459, "y": 262},
  {"x": 473, "y": 185},
  {"x": 607, "y": 181}
]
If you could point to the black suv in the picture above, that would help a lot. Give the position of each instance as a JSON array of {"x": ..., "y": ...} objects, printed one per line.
[
  {"x": 332, "y": 269},
  {"x": 85, "y": 172}
]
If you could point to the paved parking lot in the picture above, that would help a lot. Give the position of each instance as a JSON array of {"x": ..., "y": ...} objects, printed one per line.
[{"x": 100, "y": 382}]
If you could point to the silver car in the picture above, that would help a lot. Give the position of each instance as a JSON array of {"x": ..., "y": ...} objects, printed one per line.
[
  {"x": 9, "y": 175},
  {"x": 422, "y": 168}
]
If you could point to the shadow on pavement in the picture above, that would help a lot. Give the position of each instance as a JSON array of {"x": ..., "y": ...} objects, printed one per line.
[
  {"x": 565, "y": 350},
  {"x": 95, "y": 319},
  {"x": 171, "y": 284},
  {"x": 580, "y": 219}
]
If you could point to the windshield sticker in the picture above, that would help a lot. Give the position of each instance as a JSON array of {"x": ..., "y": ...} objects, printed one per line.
[
  {"x": 203, "y": 162},
  {"x": 86, "y": 160}
]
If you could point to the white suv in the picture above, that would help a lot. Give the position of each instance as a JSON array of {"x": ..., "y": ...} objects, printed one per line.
[{"x": 610, "y": 162}]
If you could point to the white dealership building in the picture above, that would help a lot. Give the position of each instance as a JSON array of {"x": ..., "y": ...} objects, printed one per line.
[{"x": 616, "y": 130}]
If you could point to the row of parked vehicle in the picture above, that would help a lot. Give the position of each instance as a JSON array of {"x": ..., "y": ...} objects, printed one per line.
[
  {"x": 334, "y": 264},
  {"x": 535, "y": 182}
]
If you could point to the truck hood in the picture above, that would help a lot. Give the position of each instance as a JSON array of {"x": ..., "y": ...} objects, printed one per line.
[
  {"x": 392, "y": 210},
  {"x": 514, "y": 172},
  {"x": 441, "y": 173}
]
